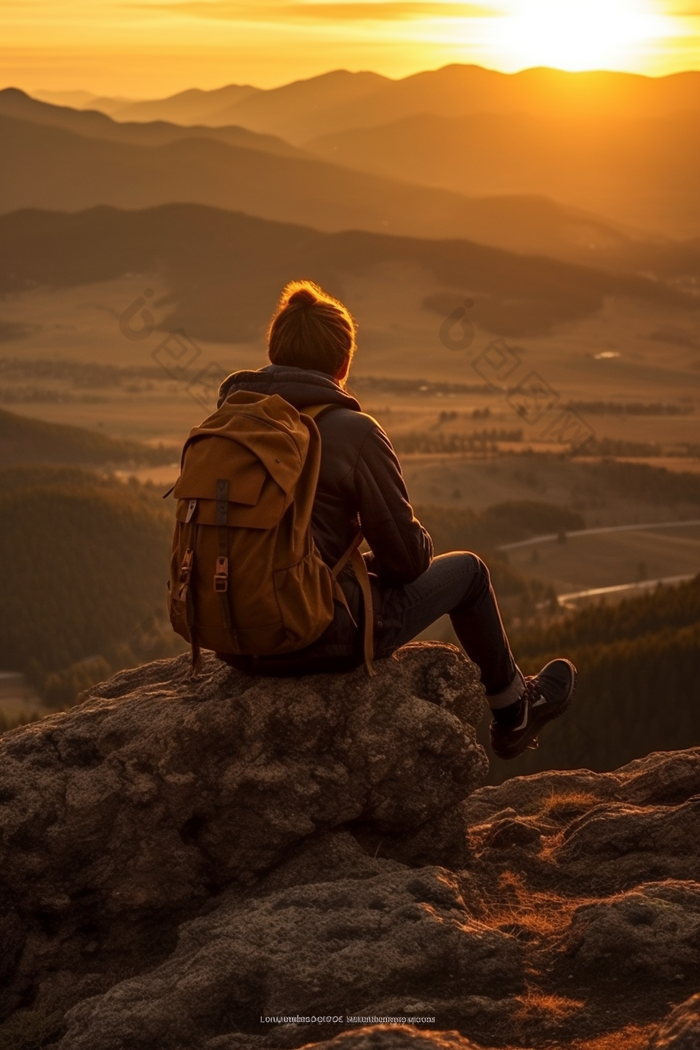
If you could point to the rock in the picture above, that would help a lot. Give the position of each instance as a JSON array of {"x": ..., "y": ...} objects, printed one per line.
[
  {"x": 214, "y": 865},
  {"x": 121, "y": 818},
  {"x": 665, "y": 778},
  {"x": 616, "y": 847},
  {"x": 328, "y": 949},
  {"x": 651, "y": 933}
]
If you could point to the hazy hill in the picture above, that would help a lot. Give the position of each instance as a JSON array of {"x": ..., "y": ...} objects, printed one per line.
[
  {"x": 73, "y": 98},
  {"x": 675, "y": 260},
  {"x": 85, "y": 564},
  {"x": 103, "y": 103},
  {"x": 93, "y": 124},
  {"x": 284, "y": 106},
  {"x": 25, "y": 440},
  {"x": 340, "y": 100},
  {"x": 644, "y": 170},
  {"x": 88, "y": 171},
  {"x": 186, "y": 107},
  {"x": 225, "y": 269}
]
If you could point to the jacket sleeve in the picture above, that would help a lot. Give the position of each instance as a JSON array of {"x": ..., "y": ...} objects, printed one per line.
[{"x": 402, "y": 549}]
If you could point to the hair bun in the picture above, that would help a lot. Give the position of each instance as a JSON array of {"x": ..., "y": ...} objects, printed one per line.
[{"x": 302, "y": 297}]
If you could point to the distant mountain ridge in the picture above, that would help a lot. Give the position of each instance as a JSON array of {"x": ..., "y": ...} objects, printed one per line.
[
  {"x": 78, "y": 99},
  {"x": 335, "y": 88},
  {"x": 645, "y": 171},
  {"x": 87, "y": 171},
  {"x": 93, "y": 124},
  {"x": 620, "y": 147},
  {"x": 186, "y": 107},
  {"x": 340, "y": 100}
]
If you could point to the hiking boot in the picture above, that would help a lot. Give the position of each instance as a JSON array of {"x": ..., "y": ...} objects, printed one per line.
[{"x": 547, "y": 695}]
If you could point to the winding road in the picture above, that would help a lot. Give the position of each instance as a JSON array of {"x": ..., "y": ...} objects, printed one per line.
[{"x": 649, "y": 526}]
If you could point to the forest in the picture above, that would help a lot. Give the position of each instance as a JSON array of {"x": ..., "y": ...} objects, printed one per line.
[
  {"x": 85, "y": 562},
  {"x": 637, "y": 687}
]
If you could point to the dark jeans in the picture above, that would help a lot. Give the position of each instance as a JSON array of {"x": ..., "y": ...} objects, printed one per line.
[{"x": 458, "y": 584}]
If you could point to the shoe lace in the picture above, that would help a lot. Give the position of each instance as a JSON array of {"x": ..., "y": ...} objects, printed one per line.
[
  {"x": 533, "y": 696},
  {"x": 533, "y": 692}
]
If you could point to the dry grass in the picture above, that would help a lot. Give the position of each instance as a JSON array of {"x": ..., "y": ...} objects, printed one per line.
[
  {"x": 541, "y": 1007},
  {"x": 633, "y": 1037},
  {"x": 519, "y": 909},
  {"x": 565, "y": 806}
]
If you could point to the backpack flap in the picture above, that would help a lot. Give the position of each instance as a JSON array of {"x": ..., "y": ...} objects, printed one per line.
[
  {"x": 255, "y": 500},
  {"x": 256, "y": 580},
  {"x": 269, "y": 427},
  {"x": 202, "y": 464}
]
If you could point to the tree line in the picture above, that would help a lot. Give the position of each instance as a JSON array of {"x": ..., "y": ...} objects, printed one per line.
[{"x": 638, "y": 664}]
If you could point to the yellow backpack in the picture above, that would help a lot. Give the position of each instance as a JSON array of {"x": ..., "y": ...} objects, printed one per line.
[{"x": 246, "y": 576}]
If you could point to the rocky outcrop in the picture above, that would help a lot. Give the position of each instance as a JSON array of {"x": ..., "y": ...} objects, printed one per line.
[
  {"x": 128, "y": 814},
  {"x": 378, "y": 940},
  {"x": 236, "y": 864}
]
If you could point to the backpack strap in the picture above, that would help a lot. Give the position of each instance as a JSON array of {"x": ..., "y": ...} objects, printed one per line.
[
  {"x": 221, "y": 572},
  {"x": 352, "y": 554},
  {"x": 360, "y": 566},
  {"x": 316, "y": 411},
  {"x": 185, "y": 591}
]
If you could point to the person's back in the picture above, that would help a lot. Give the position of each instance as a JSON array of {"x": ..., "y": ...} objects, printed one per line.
[
  {"x": 311, "y": 343},
  {"x": 359, "y": 473}
]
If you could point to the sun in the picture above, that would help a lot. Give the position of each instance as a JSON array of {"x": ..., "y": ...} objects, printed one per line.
[{"x": 575, "y": 34}]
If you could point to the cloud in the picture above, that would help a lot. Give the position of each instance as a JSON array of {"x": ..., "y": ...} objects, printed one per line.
[{"x": 373, "y": 10}]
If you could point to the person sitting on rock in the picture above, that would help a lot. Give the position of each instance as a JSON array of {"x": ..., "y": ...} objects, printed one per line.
[{"x": 311, "y": 342}]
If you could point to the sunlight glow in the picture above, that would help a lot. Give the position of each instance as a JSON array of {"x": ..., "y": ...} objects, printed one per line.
[
  {"x": 150, "y": 48},
  {"x": 577, "y": 34}
]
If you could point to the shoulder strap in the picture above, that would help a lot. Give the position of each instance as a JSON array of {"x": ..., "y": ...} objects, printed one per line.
[
  {"x": 316, "y": 411},
  {"x": 352, "y": 554},
  {"x": 360, "y": 567}
]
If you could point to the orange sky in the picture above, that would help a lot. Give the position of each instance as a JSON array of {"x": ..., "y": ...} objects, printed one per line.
[{"x": 152, "y": 48}]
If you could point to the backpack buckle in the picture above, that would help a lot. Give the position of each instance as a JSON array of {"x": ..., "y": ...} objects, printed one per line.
[
  {"x": 221, "y": 575},
  {"x": 186, "y": 567}
]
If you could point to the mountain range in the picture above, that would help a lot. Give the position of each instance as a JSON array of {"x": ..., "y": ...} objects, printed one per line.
[
  {"x": 339, "y": 100},
  {"x": 455, "y": 181},
  {"x": 643, "y": 170},
  {"x": 581, "y": 159},
  {"x": 101, "y": 164},
  {"x": 93, "y": 124}
]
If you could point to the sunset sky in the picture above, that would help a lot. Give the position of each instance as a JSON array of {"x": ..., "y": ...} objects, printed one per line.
[{"x": 152, "y": 48}]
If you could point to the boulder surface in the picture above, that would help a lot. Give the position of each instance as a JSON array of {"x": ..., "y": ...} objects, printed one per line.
[
  {"x": 126, "y": 815},
  {"x": 242, "y": 864}
]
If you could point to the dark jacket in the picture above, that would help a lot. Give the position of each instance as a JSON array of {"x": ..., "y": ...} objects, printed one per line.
[{"x": 360, "y": 479}]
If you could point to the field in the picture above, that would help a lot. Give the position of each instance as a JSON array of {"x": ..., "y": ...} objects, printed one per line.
[
  {"x": 606, "y": 560},
  {"x": 641, "y": 403},
  {"x": 657, "y": 363}
]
